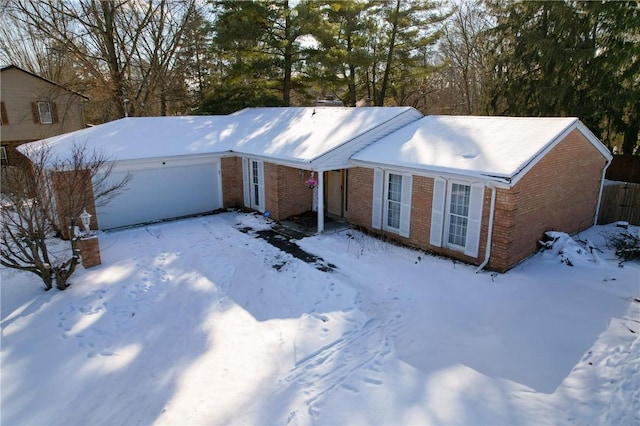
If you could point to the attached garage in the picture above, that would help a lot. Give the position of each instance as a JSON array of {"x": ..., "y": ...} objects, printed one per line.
[{"x": 163, "y": 188}]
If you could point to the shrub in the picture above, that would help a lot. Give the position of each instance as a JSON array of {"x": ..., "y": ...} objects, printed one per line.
[{"x": 626, "y": 245}]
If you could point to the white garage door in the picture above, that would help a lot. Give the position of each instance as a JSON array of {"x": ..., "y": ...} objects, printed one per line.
[{"x": 164, "y": 189}]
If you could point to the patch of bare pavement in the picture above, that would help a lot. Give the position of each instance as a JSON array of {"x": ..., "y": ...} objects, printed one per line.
[{"x": 284, "y": 239}]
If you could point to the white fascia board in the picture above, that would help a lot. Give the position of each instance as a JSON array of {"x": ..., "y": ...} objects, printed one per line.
[
  {"x": 577, "y": 124},
  {"x": 597, "y": 143},
  {"x": 157, "y": 162},
  {"x": 295, "y": 164},
  {"x": 433, "y": 172}
]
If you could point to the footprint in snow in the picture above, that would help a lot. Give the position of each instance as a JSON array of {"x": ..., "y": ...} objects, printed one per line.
[
  {"x": 372, "y": 381},
  {"x": 350, "y": 388}
]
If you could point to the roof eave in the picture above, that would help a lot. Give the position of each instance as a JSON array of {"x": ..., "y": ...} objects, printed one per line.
[
  {"x": 500, "y": 181},
  {"x": 44, "y": 79},
  {"x": 576, "y": 124}
]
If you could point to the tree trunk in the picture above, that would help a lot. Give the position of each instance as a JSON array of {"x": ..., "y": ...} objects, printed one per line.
[
  {"x": 108, "y": 36},
  {"x": 392, "y": 43}
]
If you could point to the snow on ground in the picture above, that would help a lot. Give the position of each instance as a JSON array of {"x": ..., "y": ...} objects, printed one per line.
[{"x": 195, "y": 322}]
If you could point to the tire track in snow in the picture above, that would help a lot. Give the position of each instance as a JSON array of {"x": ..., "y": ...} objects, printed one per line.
[{"x": 358, "y": 352}]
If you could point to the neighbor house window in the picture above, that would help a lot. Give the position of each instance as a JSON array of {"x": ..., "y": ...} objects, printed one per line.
[
  {"x": 394, "y": 197},
  {"x": 3, "y": 156},
  {"x": 45, "y": 113}
]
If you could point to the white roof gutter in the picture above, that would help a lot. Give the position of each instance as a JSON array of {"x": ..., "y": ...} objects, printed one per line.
[
  {"x": 604, "y": 172},
  {"x": 487, "y": 250}
]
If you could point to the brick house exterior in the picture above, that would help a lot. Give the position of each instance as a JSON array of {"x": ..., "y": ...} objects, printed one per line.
[
  {"x": 560, "y": 190},
  {"x": 285, "y": 192},
  {"x": 482, "y": 190}
]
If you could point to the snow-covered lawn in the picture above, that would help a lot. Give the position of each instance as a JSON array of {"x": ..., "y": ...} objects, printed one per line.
[{"x": 195, "y": 322}]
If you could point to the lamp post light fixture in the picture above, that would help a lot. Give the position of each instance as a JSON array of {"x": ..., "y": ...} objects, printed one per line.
[{"x": 85, "y": 217}]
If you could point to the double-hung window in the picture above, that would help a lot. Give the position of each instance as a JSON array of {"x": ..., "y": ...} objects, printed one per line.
[
  {"x": 45, "y": 113},
  {"x": 456, "y": 216},
  {"x": 394, "y": 197},
  {"x": 392, "y": 202}
]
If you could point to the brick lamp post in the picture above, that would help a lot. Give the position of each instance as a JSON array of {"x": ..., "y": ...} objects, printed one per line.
[{"x": 88, "y": 243}]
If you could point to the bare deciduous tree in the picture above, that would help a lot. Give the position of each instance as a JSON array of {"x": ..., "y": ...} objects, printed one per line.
[
  {"x": 41, "y": 203},
  {"x": 122, "y": 52}
]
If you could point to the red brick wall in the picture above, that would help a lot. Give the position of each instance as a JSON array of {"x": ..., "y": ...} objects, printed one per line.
[
  {"x": 503, "y": 231},
  {"x": 231, "y": 169},
  {"x": 285, "y": 191},
  {"x": 73, "y": 192},
  {"x": 284, "y": 188},
  {"x": 360, "y": 198},
  {"x": 559, "y": 193}
]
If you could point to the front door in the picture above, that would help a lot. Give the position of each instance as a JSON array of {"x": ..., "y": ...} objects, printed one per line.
[
  {"x": 253, "y": 183},
  {"x": 335, "y": 192}
]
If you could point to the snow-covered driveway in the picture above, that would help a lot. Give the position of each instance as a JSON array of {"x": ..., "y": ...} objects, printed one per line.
[{"x": 195, "y": 322}]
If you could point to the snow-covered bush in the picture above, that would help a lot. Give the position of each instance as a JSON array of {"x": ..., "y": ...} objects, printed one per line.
[
  {"x": 569, "y": 251},
  {"x": 626, "y": 244}
]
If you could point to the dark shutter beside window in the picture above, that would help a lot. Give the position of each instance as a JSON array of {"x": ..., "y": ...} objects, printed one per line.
[
  {"x": 35, "y": 112},
  {"x": 5, "y": 118},
  {"x": 54, "y": 112}
]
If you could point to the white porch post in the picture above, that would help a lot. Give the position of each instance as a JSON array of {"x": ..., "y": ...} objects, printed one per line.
[{"x": 320, "y": 201}]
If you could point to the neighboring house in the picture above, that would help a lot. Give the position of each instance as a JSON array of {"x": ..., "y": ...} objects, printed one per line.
[
  {"x": 479, "y": 189},
  {"x": 34, "y": 108}
]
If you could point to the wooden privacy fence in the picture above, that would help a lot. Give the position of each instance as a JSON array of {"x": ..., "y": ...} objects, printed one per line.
[{"x": 620, "y": 201}]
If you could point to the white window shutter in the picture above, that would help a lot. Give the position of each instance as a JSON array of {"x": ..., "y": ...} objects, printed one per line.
[
  {"x": 263, "y": 203},
  {"x": 246, "y": 179},
  {"x": 405, "y": 205},
  {"x": 437, "y": 212},
  {"x": 476, "y": 200},
  {"x": 376, "y": 214}
]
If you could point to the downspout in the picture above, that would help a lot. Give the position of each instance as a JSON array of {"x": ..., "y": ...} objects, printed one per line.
[
  {"x": 487, "y": 250},
  {"x": 320, "y": 201},
  {"x": 604, "y": 171}
]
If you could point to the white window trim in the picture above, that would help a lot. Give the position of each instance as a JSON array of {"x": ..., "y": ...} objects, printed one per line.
[
  {"x": 447, "y": 216},
  {"x": 248, "y": 185},
  {"x": 381, "y": 193},
  {"x": 441, "y": 216},
  {"x": 43, "y": 118},
  {"x": 385, "y": 209}
]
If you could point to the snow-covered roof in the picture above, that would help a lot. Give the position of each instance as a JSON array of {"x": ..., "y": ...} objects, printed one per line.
[
  {"x": 497, "y": 148},
  {"x": 286, "y": 134}
]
